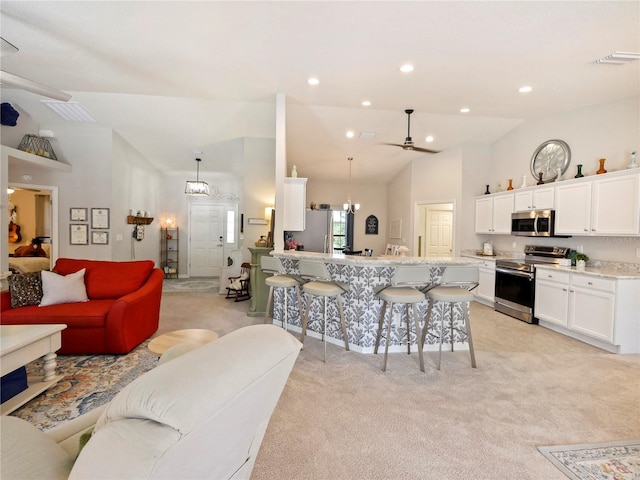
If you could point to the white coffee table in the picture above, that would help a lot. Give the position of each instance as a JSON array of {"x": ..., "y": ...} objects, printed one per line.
[{"x": 21, "y": 344}]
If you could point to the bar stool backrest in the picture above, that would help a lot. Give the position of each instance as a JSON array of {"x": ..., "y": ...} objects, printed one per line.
[
  {"x": 465, "y": 276},
  {"x": 314, "y": 270},
  {"x": 414, "y": 274},
  {"x": 271, "y": 264}
]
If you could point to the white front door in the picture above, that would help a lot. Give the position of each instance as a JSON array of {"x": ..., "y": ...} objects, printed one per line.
[
  {"x": 438, "y": 232},
  {"x": 206, "y": 244}
]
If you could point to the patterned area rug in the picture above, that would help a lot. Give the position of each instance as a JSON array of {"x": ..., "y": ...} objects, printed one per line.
[
  {"x": 179, "y": 285},
  {"x": 89, "y": 381},
  {"x": 597, "y": 461}
]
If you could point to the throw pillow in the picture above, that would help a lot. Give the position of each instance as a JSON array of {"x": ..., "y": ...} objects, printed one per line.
[
  {"x": 25, "y": 289},
  {"x": 58, "y": 289}
]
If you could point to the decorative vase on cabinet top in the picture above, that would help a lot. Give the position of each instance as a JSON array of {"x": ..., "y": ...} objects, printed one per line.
[
  {"x": 510, "y": 187},
  {"x": 601, "y": 169},
  {"x": 579, "y": 174},
  {"x": 524, "y": 181}
]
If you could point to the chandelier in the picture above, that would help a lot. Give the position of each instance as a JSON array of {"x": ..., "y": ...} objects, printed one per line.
[
  {"x": 350, "y": 207},
  {"x": 195, "y": 187}
]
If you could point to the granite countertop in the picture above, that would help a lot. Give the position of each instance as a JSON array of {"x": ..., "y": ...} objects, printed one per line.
[
  {"x": 380, "y": 260},
  {"x": 606, "y": 271}
]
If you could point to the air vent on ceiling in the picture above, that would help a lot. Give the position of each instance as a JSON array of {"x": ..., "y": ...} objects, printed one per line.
[
  {"x": 367, "y": 135},
  {"x": 70, "y": 111},
  {"x": 619, "y": 58}
]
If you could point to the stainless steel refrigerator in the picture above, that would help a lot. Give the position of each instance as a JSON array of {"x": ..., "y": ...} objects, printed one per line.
[{"x": 318, "y": 232}]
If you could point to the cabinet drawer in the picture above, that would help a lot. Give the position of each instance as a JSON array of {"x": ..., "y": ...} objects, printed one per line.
[
  {"x": 587, "y": 281},
  {"x": 553, "y": 276},
  {"x": 491, "y": 264}
]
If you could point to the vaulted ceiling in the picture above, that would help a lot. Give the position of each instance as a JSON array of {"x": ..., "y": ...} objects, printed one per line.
[{"x": 174, "y": 77}]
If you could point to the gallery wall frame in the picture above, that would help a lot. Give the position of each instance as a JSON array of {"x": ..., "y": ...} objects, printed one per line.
[
  {"x": 78, "y": 234},
  {"x": 99, "y": 218}
]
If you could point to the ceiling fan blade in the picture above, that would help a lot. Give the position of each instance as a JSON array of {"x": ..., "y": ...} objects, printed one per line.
[
  {"x": 423, "y": 150},
  {"x": 15, "y": 81}
]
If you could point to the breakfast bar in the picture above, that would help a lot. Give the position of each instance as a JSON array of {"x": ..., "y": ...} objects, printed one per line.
[{"x": 361, "y": 305}]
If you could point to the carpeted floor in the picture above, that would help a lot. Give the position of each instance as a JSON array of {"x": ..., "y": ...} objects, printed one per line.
[
  {"x": 348, "y": 420},
  {"x": 600, "y": 461}
]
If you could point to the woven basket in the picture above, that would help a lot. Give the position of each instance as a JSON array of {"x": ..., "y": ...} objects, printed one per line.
[{"x": 37, "y": 146}]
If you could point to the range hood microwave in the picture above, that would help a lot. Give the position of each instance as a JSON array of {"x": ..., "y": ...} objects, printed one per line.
[{"x": 534, "y": 223}]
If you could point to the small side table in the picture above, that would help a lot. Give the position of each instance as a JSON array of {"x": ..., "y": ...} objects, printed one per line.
[{"x": 196, "y": 336}]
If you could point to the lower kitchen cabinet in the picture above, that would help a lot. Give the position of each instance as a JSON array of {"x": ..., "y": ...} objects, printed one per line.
[
  {"x": 485, "y": 292},
  {"x": 552, "y": 297},
  {"x": 600, "y": 311}
]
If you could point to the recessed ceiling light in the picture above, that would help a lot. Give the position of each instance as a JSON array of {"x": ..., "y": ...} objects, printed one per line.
[
  {"x": 465, "y": 110},
  {"x": 350, "y": 134},
  {"x": 406, "y": 68},
  {"x": 525, "y": 89},
  {"x": 366, "y": 103},
  {"x": 313, "y": 81},
  {"x": 429, "y": 139}
]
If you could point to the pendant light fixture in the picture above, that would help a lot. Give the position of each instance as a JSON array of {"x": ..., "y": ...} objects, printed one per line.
[
  {"x": 350, "y": 207},
  {"x": 197, "y": 188}
]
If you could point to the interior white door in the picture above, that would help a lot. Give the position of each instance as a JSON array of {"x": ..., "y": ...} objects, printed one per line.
[
  {"x": 438, "y": 232},
  {"x": 206, "y": 240}
]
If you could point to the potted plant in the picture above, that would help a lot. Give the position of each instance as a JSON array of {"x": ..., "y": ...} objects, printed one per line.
[{"x": 581, "y": 260}]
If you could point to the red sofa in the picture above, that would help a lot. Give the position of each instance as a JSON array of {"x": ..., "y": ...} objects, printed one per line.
[{"x": 123, "y": 308}]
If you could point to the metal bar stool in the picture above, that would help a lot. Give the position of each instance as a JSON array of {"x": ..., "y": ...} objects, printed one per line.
[
  {"x": 454, "y": 288},
  {"x": 321, "y": 285},
  {"x": 278, "y": 279},
  {"x": 404, "y": 288}
]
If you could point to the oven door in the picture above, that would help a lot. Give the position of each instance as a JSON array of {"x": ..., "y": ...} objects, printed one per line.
[{"x": 514, "y": 294}]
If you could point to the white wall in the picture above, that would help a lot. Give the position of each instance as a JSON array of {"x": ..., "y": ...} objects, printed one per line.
[
  {"x": 372, "y": 199},
  {"x": 259, "y": 191},
  {"x": 136, "y": 186},
  {"x": 88, "y": 149}
]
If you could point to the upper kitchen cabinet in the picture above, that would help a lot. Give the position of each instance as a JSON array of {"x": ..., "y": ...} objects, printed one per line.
[
  {"x": 295, "y": 200},
  {"x": 493, "y": 213},
  {"x": 534, "y": 199},
  {"x": 603, "y": 206}
]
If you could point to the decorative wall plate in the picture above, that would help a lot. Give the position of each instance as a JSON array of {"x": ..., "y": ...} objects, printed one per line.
[{"x": 548, "y": 157}]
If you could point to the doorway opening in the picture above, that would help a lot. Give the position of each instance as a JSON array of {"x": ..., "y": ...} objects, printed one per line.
[
  {"x": 34, "y": 211},
  {"x": 434, "y": 227}
]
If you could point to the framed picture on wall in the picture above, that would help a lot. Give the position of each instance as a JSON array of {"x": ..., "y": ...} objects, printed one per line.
[
  {"x": 78, "y": 234},
  {"x": 100, "y": 238},
  {"x": 78, "y": 214},
  {"x": 395, "y": 230},
  {"x": 99, "y": 218}
]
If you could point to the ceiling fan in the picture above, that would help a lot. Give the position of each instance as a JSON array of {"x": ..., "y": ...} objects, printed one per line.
[
  {"x": 408, "y": 142},
  {"x": 14, "y": 81}
]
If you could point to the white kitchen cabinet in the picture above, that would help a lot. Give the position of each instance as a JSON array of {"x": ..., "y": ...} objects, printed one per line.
[
  {"x": 616, "y": 205},
  {"x": 493, "y": 214},
  {"x": 295, "y": 199},
  {"x": 485, "y": 292},
  {"x": 600, "y": 311},
  {"x": 552, "y": 297},
  {"x": 609, "y": 205},
  {"x": 573, "y": 209},
  {"x": 534, "y": 199},
  {"x": 591, "y": 306}
]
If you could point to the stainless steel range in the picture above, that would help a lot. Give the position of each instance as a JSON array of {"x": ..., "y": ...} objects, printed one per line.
[{"x": 515, "y": 280}]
